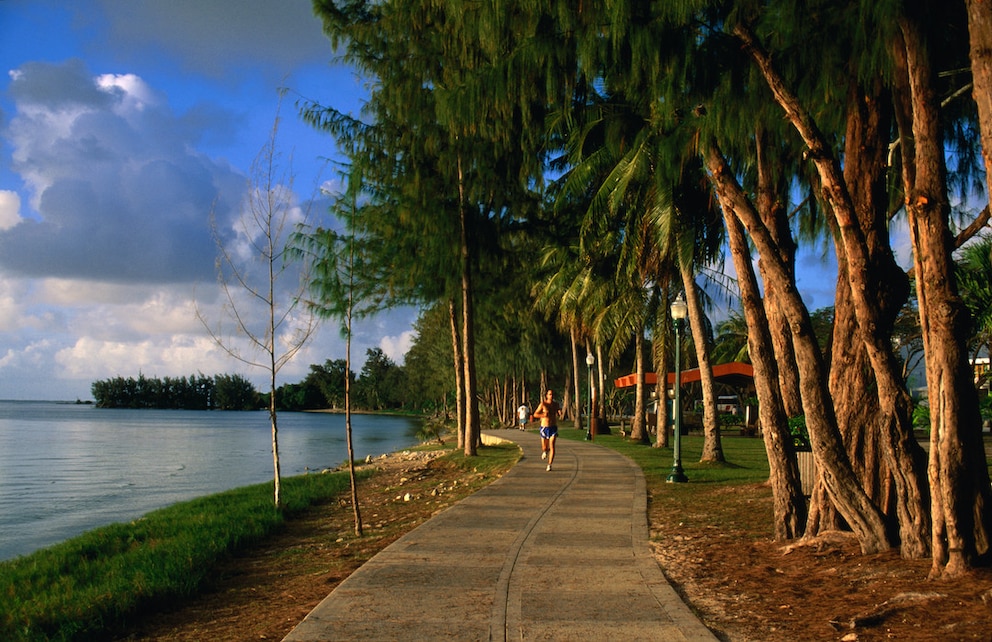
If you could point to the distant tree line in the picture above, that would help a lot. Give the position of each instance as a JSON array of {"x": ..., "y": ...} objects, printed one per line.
[
  {"x": 380, "y": 386},
  {"x": 196, "y": 392}
]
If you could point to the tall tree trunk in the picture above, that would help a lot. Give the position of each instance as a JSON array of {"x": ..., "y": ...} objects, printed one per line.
[
  {"x": 353, "y": 481},
  {"x": 599, "y": 404},
  {"x": 959, "y": 481},
  {"x": 788, "y": 502},
  {"x": 874, "y": 406},
  {"x": 980, "y": 40},
  {"x": 770, "y": 210},
  {"x": 639, "y": 424},
  {"x": 828, "y": 449},
  {"x": 660, "y": 346},
  {"x": 576, "y": 382},
  {"x": 277, "y": 474},
  {"x": 712, "y": 448},
  {"x": 473, "y": 432},
  {"x": 456, "y": 351},
  {"x": 874, "y": 327}
]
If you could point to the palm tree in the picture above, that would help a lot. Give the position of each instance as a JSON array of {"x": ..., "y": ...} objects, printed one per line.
[
  {"x": 974, "y": 276},
  {"x": 731, "y": 339}
]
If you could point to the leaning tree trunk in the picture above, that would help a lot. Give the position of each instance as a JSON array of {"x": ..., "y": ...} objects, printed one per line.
[
  {"x": 959, "y": 480},
  {"x": 771, "y": 211},
  {"x": 828, "y": 449},
  {"x": 576, "y": 381},
  {"x": 712, "y": 448},
  {"x": 456, "y": 352},
  {"x": 896, "y": 440},
  {"x": 788, "y": 502},
  {"x": 639, "y": 423}
]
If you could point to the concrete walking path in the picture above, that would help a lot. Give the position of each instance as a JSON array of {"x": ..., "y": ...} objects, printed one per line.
[{"x": 536, "y": 555}]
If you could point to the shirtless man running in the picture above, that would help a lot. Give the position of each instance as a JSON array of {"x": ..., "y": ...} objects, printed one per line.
[{"x": 548, "y": 412}]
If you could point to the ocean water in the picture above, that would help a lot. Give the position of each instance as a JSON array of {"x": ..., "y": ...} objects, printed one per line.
[{"x": 68, "y": 468}]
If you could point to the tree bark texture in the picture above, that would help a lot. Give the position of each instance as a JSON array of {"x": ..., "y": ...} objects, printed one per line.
[
  {"x": 980, "y": 48},
  {"x": 576, "y": 382},
  {"x": 456, "y": 352},
  {"x": 874, "y": 325},
  {"x": 788, "y": 502},
  {"x": 473, "y": 427},
  {"x": 828, "y": 449},
  {"x": 959, "y": 481},
  {"x": 660, "y": 347},
  {"x": 874, "y": 406},
  {"x": 770, "y": 210},
  {"x": 639, "y": 423},
  {"x": 712, "y": 448}
]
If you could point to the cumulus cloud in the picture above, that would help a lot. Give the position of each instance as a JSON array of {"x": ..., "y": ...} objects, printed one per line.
[
  {"x": 95, "y": 359},
  {"x": 10, "y": 209},
  {"x": 119, "y": 192},
  {"x": 396, "y": 347}
]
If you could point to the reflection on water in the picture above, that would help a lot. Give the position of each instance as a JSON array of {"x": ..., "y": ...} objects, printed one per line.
[{"x": 67, "y": 468}]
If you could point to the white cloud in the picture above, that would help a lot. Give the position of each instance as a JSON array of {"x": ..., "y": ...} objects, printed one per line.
[
  {"x": 396, "y": 347},
  {"x": 119, "y": 192},
  {"x": 171, "y": 356},
  {"x": 135, "y": 93},
  {"x": 10, "y": 209}
]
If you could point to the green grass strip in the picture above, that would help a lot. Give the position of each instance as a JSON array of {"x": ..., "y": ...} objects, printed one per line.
[{"x": 86, "y": 586}]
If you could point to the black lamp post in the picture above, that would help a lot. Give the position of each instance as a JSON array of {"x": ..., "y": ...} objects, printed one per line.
[
  {"x": 679, "y": 312},
  {"x": 589, "y": 361}
]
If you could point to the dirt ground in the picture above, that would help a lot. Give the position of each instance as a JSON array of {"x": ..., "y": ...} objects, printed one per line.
[{"x": 743, "y": 586}]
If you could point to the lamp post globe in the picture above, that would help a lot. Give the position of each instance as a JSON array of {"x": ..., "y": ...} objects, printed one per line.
[{"x": 679, "y": 311}]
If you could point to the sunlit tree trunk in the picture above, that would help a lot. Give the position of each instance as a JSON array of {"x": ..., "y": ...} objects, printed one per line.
[
  {"x": 473, "y": 423},
  {"x": 874, "y": 407},
  {"x": 712, "y": 448},
  {"x": 980, "y": 39},
  {"x": 960, "y": 494},
  {"x": 864, "y": 518},
  {"x": 788, "y": 502},
  {"x": 770, "y": 210},
  {"x": 458, "y": 364}
]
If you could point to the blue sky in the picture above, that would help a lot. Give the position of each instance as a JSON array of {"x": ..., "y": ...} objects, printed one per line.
[{"x": 123, "y": 125}]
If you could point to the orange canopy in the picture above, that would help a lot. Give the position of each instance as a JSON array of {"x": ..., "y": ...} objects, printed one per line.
[{"x": 735, "y": 373}]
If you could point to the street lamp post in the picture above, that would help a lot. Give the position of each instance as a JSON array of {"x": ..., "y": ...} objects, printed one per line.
[
  {"x": 589, "y": 361},
  {"x": 679, "y": 312}
]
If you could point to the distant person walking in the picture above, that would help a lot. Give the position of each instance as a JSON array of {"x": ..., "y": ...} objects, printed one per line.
[
  {"x": 548, "y": 412},
  {"x": 523, "y": 415}
]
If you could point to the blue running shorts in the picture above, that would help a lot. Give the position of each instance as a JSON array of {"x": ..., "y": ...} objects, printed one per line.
[{"x": 549, "y": 431}]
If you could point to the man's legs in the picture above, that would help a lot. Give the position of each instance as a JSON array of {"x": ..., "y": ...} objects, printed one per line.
[{"x": 551, "y": 450}]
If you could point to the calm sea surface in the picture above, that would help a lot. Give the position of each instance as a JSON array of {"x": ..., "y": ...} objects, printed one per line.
[{"x": 66, "y": 468}]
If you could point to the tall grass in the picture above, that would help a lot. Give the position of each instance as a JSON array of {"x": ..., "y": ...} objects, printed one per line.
[{"x": 89, "y": 585}]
